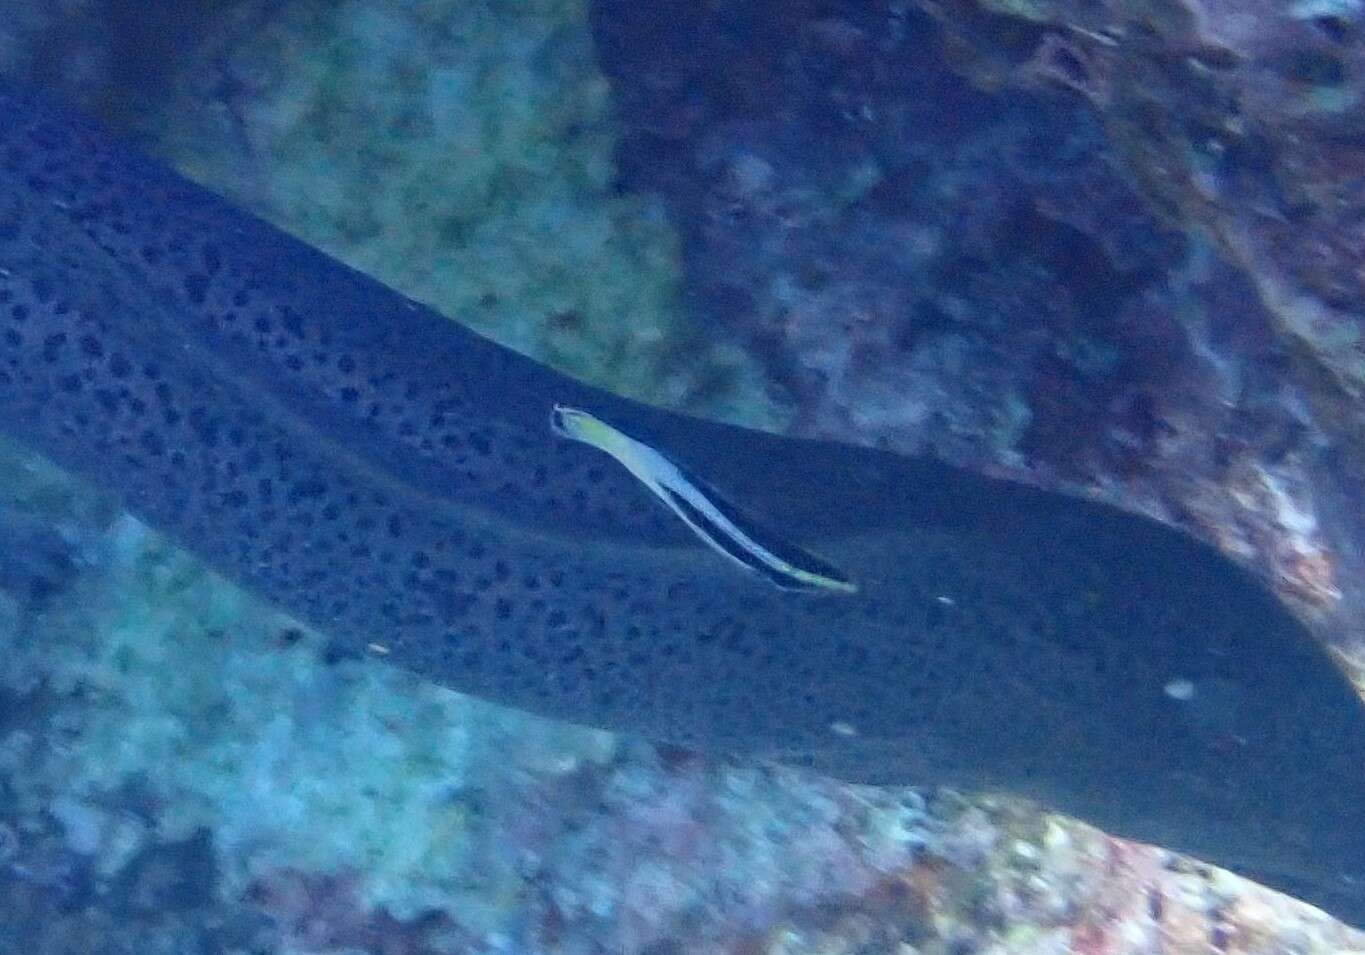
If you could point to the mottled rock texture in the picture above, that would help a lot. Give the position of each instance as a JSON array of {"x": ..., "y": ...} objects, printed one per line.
[{"x": 1112, "y": 247}]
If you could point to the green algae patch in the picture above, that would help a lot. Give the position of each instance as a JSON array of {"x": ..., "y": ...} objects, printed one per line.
[
  {"x": 460, "y": 152},
  {"x": 463, "y": 154}
]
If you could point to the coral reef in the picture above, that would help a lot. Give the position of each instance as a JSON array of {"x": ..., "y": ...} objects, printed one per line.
[
  {"x": 1241, "y": 123},
  {"x": 1035, "y": 239},
  {"x": 185, "y": 770},
  {"x": 154, "y": 718},
  {"x": 1121, "y": 255},
  {"x": 461, "y": 153}
]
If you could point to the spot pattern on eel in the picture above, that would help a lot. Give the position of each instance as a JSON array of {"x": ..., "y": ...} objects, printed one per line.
[{"x": 388, "y": 476}]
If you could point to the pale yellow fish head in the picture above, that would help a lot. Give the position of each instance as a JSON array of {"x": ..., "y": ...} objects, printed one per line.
[{"x": 578, "y": 425}]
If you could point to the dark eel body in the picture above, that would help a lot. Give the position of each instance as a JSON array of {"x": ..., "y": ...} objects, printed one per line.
[{"x": 388, "y": 476}]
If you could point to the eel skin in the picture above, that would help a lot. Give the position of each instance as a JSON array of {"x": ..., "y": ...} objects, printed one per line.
[{"x": 388, "y": 476}]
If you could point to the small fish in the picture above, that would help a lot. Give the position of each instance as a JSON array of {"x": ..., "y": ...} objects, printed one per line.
[{"x": 701, "y": 508}]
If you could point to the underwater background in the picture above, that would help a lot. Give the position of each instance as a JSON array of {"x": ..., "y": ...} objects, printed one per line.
[{"x": 1115, "y": 250}]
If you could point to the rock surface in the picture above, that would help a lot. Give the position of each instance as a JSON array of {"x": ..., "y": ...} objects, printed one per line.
[{"x": 1107, "y": 247}]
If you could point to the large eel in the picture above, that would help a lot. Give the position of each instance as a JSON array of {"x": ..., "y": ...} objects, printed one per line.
[{"x": 388, "y": 476}]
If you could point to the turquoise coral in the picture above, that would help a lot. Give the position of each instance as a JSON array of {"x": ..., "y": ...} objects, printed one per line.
[
  {"x": 462, "y": 153},
  {"x": 225, "y": 715}
]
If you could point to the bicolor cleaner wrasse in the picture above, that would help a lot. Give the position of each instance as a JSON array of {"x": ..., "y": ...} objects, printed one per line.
[{"x": 388, "y": 476}]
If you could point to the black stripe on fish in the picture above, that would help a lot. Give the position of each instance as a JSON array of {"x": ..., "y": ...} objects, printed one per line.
[
  {"x": 784, "y": 550},
  {"x": 724, "y": 542}
]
